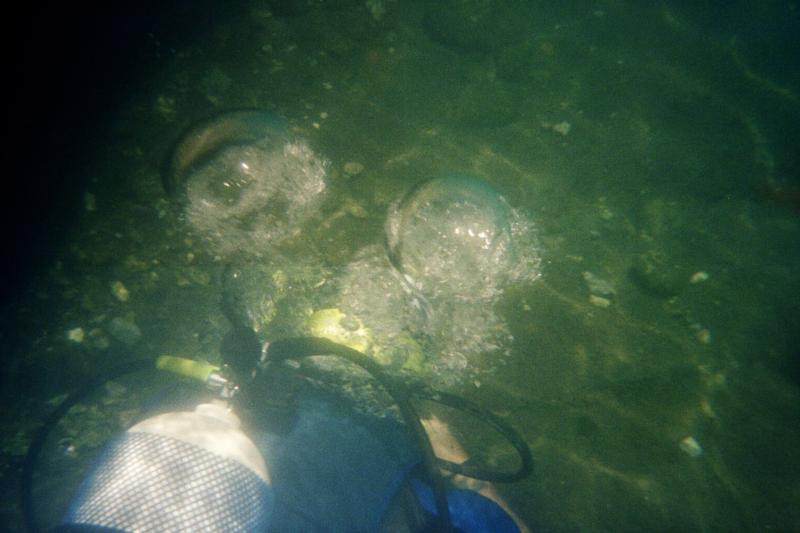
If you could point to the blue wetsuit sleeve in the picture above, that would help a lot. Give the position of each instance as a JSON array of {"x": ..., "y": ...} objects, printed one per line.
[{"x": 469, "y": 511}]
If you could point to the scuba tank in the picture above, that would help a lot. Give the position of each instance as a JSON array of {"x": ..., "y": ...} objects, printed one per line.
[{"x": 180, "y": 471}]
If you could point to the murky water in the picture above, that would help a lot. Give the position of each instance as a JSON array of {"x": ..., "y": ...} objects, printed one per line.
[{"x": 624, "y": 288}]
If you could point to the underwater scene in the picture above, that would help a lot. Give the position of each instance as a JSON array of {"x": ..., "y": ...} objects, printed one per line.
[{"x": 582, "y": 216}]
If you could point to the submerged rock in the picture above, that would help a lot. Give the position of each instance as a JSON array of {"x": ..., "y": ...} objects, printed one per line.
[
  {"x": 657, "y": 275},
  {"x": 125, "y": 330}
]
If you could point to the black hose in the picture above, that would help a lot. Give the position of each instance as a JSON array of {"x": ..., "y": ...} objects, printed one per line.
[
  {"x": 401, "y": 394},
  {"x": 301, "y": 347},
  {"x": 508, "y": 432},
  {"x": 41, "y": 435}
]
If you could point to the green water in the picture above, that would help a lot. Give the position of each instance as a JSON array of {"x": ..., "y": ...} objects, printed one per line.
[{"x": 653, "y": 145}]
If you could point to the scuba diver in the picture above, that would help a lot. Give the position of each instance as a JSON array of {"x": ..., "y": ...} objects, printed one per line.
[
  {"x": 298, "y": 459},
  {"x": 282, "y": 445}
]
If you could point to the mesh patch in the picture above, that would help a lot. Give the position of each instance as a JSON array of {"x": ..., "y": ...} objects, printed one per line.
[{"x": 146, "y": 482}]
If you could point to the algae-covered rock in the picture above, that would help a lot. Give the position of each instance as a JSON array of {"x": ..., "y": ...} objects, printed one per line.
[{"x": 124, "y": 330}]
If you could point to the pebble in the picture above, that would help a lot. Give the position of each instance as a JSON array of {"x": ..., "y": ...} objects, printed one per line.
[
  {"x": 562, "y": 128},
  {"x": 703, "y": 335},
  {"x": 119, "y": 291},
  {"x": 691, "y": 447},
  {"x": 599, "y": 301},
  {"x": 124, "y": 330},
  {"x": 68, "y": 448},
  {"x": 98, "y": 340},
  {"x": 353, "y": 168},
  {"x": 76, "y": 335}
]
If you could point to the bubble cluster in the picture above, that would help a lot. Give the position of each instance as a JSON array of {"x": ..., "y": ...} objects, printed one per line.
[
  {"x": 453, "y": 245},
  {"x": 458, "y": 238},
  {"x": 247, "y": 185},
  {"x": 424, "y": 303}
]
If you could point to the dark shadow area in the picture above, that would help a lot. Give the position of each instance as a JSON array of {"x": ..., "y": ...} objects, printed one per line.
[{"x": 72, "y": 66}]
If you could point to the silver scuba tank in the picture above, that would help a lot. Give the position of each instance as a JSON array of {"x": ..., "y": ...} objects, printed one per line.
[{"x": 184, "y": 471}]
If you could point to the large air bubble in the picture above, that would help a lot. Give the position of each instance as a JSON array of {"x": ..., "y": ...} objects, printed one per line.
[
  {"x": 245, "y": 183},
  {"x": 457, "y": 238},
  {"x": 454, "y": 245}
]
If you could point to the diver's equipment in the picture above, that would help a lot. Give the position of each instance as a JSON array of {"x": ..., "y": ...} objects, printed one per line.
[
  {"x": 401, "y": 393},
  {"x": 301, "y": 347},
  {"x": 185, "y": 471},
  {"x": 180, "y": 471},
  {"x": 241, "y": 351},
  {"x": 161, "y": 447}
]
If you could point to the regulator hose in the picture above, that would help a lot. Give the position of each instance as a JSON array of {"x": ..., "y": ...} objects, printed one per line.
[
  {"x": 302, "y": 347},
  {"x": 401, "y": 394},
  {"x": 471, "y": 470}
]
